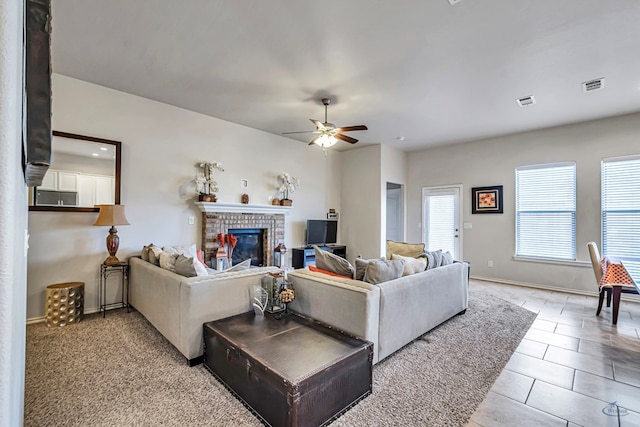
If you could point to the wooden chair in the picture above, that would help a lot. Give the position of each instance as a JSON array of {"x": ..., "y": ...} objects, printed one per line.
[{"x": 612, "y": 289}]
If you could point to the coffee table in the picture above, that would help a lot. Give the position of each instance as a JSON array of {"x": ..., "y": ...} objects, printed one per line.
[{"x": 290, "y": 372}]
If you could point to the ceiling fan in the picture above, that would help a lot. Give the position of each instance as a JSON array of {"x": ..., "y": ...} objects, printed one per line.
[{"x": 328, "y": 133}]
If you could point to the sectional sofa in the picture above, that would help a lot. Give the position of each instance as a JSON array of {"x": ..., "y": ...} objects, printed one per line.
[
  {"x": 178, "y": 306},
  {"x": 390, "y": 314}
]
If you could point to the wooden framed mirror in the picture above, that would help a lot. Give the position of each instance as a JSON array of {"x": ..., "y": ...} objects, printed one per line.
[{"x": 84, "y": 172}]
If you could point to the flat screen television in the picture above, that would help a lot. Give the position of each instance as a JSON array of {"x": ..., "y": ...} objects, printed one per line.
[{"x": 321, "y": 232}]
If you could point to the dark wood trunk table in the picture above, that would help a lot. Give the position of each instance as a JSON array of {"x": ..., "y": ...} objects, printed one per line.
[{"x": 292, "y": 371}]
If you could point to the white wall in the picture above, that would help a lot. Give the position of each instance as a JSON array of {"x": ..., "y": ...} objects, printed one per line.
[
  {"x": 13, "y": 218},
  {"x": 161, "y": 145},
  {"x": 393, "y": 168},
  {"x": 361, "y": 201},
  {"x": 493, "y": 162}
]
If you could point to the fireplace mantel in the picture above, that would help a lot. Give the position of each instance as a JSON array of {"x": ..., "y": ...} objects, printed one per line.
[{"x": 212, "y": 207}]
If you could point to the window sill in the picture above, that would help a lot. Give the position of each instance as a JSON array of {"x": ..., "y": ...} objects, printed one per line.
[{"x": 553, "y": 261}]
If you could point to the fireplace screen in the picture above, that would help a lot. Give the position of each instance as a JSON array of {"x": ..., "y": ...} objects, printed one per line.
[{"x": 250, "y": 245}]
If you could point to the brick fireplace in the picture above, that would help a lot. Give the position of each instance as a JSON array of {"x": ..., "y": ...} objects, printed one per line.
[{"x": 221, "y": 217}]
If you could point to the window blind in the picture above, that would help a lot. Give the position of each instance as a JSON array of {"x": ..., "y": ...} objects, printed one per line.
[
  {"x": 546, "y": 211},
  {"x": 621, "y": 212},
  {"x": 441, "y": 227}
]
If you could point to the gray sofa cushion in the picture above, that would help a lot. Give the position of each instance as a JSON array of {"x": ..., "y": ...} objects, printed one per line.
[
  {"x": 333, "y": 263},
  {"x": 383, "y": 271},
  {"x": 447, "y": 258},
  {"x": 154, "y": 255},
  {"x": 144, "y": 254},
  {"x": 361, "y": 266},
  {"x": 411, "y": 265},
  {"x": 189, "y": 267}
]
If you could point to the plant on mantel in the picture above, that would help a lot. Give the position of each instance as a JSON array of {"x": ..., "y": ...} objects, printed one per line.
[
  {"x": 288, "y": 185},
  {"x": 206, "y": 186}
]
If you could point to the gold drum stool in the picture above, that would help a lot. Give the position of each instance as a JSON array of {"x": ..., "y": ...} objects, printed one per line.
[{"x": 64, "y": 303}]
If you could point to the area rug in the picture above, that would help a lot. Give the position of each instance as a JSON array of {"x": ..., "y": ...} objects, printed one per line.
[{"x": 119, "y": 371}]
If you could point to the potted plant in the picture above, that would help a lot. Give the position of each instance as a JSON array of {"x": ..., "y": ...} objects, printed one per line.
[
  {"x": 288, "y": 185},
  {"x": 205, "y": 184}
]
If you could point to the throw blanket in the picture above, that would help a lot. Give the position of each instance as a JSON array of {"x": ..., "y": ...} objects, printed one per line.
[{"x": 614, "y": 272}]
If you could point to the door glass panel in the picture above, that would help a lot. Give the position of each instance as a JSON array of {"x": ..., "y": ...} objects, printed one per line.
[{"x": 441, "y": 220}]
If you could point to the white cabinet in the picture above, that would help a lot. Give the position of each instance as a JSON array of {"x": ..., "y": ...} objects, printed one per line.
[
  {"x": 50, "y": 180},
  {"x": 86, "y": 190},
  {"x": 67, "y": 181},
  {"x": 58, "y": 180},
  {"x": 95, "y": 190},
  {"x": 105, "y": 190},
  {"x": 92, "y": 189}
]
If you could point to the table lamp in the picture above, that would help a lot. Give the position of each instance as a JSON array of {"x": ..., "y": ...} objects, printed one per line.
[{"x": 112, "y": 215}]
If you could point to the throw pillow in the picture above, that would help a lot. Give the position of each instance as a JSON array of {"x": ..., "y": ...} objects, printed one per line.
[
  {"x": 187, "y": 250},
  {"x": 244, "y": 265},
  {"x": 411, "y": 265},
  {"x": 361, "y": 266},
  {"x": 154, "y": 255},
  {"x": 144, "y": 254},
  {"x": 447, "y": 258},
  {"x": 405, "y": 249},
  {"x": 201, "y": 259},
  {"x": 168, "y": 261},
  {"x": 430, "y": 260},
  {"x": 435, "y": 259},
  {"x": 330, "y": 273},
  {"x": 189, "y": 267},
  {"x": 325, "y": 260},
  {"x": 383, "y": 271}
]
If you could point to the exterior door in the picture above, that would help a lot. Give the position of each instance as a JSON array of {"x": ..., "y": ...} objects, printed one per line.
[{"x": 442, "y": 219}]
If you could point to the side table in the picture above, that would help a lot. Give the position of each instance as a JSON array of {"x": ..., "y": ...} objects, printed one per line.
[{"x": 122, "y": 269}]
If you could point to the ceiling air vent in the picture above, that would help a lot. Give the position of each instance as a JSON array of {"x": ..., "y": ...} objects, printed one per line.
[
  {"x": 526, "y": 101},
  {"x": 454, "y": 2},
  {"x": 592, "y": 85}
]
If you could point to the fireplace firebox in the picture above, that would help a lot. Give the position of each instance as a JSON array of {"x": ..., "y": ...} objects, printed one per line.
[{"x": 250, "y": 244}]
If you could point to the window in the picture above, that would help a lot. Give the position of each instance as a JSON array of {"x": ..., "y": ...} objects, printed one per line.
[
  {"x": 546, "y": 211},
  {"x": 621, "y": 212}
]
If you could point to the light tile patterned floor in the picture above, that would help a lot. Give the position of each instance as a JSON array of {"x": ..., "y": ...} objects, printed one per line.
[{"x": 570, "y": 366}]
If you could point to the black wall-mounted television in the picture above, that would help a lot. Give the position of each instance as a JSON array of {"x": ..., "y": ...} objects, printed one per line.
[{"x": 321, "y": 232}]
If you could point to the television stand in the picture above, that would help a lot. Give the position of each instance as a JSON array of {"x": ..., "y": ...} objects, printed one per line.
[{"x": 305, "y": 255}]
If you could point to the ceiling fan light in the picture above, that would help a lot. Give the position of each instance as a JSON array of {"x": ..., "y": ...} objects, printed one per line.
[{"x": 326, "y": 140}]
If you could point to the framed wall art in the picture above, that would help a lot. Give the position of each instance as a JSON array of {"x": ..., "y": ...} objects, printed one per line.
[{"x": 486, "y": 199}]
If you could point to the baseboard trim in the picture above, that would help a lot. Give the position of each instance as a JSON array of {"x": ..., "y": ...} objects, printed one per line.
[
  {"x": 625, "y": 297},
  {"x": 32, "y": 320}
]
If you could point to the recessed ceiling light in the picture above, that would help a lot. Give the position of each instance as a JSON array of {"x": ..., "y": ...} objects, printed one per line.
[
  {"x": 103, "y": 148},
  {"x": 525, "y": 101},
  {"x": 94, "y": 154},
  {"x": 592, "y": 85}
]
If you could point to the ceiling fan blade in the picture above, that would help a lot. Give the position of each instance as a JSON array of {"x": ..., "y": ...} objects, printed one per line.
[
  {"x": 346, "y": 138},
  {"x": 351, "y": 128},
  {"x": 313, "y": 141},
  {"x": 305, "y": 131},
  {"x": 318, "y": 124}
]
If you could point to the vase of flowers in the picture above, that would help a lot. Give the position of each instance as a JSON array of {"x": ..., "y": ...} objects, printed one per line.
[
  {"x": 205, "y": 184},
  {"x": 288, "y": 184}
]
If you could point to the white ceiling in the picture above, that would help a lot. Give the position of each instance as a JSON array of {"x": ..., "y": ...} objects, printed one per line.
[{"x": 423, "y": 69}]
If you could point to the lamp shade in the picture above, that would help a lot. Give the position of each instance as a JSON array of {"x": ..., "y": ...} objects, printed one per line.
[{"x": 111, "y": 215}]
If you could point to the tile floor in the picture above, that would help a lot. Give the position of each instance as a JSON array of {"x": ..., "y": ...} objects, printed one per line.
[{"x": 569, "y": 367}]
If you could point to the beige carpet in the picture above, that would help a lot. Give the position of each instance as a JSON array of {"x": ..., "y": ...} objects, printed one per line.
[{"x": 119, "y": 371}]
